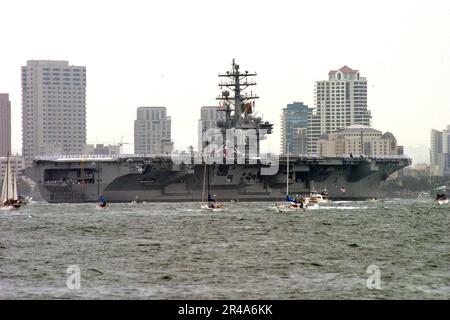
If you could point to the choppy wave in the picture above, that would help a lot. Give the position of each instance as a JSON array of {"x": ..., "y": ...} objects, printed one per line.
[{"x": 248, "y": 251}]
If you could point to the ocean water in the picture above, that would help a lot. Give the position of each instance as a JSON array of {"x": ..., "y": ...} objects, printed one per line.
[{"x": 249, "y": 251}]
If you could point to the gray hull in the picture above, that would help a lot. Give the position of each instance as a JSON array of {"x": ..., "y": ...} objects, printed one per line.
[{"x": 160, "y": 180}]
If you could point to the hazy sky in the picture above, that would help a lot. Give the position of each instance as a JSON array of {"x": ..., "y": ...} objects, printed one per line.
[{"x": 168, "y": 53}]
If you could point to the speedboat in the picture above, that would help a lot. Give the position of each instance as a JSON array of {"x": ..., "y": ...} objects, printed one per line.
[{"x": 316, "y": 197}]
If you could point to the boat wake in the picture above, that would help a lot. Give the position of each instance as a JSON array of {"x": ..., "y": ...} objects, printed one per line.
[{"x": 342, "y": 208}]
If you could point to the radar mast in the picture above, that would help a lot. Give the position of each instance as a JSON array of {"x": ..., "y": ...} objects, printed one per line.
[{"x": 239, "y": 105}]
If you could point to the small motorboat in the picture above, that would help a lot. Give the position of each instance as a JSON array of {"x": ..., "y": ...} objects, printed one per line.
[{"x": 316, "y": 197}]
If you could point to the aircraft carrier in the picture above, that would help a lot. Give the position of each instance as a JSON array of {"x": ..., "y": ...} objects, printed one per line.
[{"x": 232, "y": 175}]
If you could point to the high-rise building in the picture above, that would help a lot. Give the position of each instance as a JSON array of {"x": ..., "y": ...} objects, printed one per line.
[
  {"x": 208, "y": 119},
  {"x": 435, "y": 146},
  {"x": 294, "y": 124},
  {"x": 53, "y": 108},
  {"x": 152, "y": 131},
  {"x": 440, "y": 152},
  {"x": 5, "y": 125},
  {"x": 340, "y": 101}
]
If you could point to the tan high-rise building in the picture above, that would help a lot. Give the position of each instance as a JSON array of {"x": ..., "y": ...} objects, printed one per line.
[
  {"x": 5, "y": 124},
  {"x": 340, "y": 101},
  {"x": 53, "y": 109}
]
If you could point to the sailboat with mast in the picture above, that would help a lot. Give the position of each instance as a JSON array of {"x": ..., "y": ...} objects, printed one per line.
[
  {"x": 441, "y": 197},
  {"x": 291, "y": 204},
  {"x": 439, "y": 190},
  {"x": 211, "y": 203},
  {"x": 9, "y": 197}
]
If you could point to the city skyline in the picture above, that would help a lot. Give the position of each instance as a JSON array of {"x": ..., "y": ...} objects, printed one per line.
[{"x": 406, "y": 64}]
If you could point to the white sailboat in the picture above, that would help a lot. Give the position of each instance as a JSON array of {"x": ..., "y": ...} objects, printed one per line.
[
  {"x": 442, "y": 201},
  {"x": 137, "y": 200},
  {"x": 211, "y": 203},
  {"x": 101, "y": 203},
  {"x": 440, "y": 191},
  {"x": 441, "y": 197},
  {"x": 290, "y": 205},
  {"x": 9, "y": 197}
]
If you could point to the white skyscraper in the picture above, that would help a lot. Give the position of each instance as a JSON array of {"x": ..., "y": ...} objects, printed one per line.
[
  {"x": 53, "y": 108},
  {"x": 152, "y": 130},
  {"x": 339, "y": 102},
  {"x": 208, "y": 119}
]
